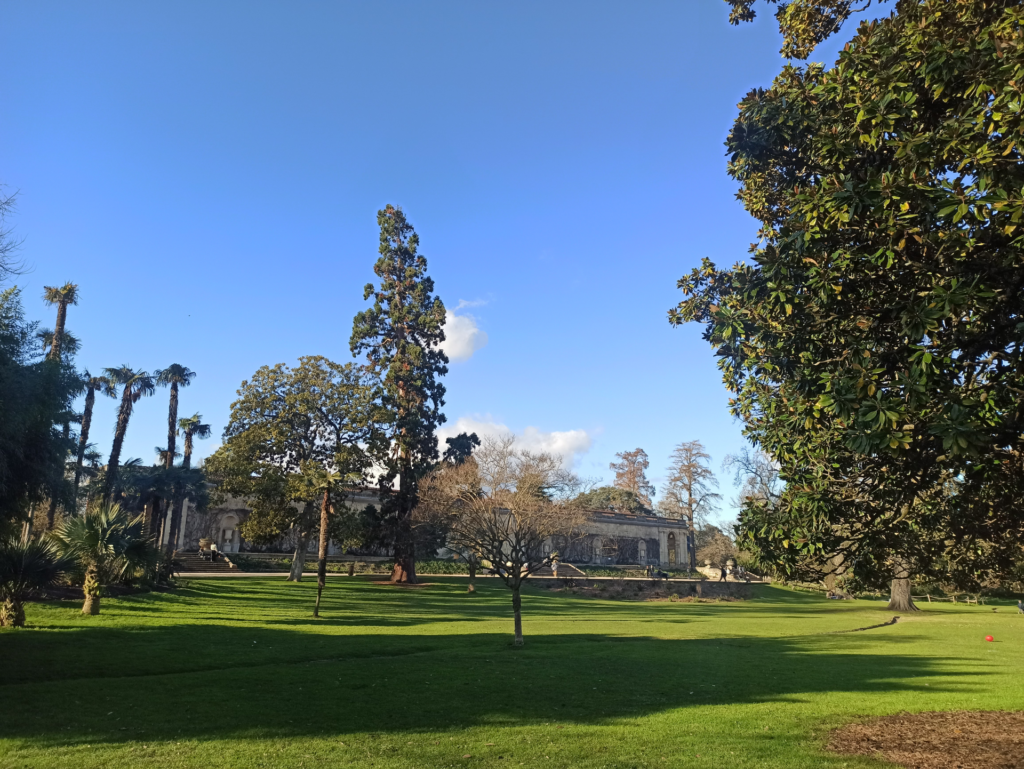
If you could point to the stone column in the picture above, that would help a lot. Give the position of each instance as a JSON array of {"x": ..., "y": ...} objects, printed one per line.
[{"x": 663, "y": 547}]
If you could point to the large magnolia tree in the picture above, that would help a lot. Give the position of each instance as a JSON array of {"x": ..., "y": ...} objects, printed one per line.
[
  {"x": 873, "y": 342},
  {"x": 289, "y": 431}
]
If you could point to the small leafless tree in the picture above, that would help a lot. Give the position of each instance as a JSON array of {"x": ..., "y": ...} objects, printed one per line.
[{"x": 501, "y": 506}]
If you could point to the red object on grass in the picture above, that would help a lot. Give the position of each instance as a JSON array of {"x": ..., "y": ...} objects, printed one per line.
[{"x": 989, "y": 638}]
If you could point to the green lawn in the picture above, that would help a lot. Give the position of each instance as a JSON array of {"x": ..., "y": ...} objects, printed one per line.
[{"x": 237, "y": 673}]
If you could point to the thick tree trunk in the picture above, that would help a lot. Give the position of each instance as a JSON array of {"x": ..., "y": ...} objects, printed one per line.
[
  {"x": 899, "y": 596},
  {"x": 472, "y": 577},
  {"x": 321, "y": 566},
  {"x": 517, "y": 611},
  {"x": 26, "y": 531},
  {"x": 91, "y": 588},
  {"x": 301, "y": 545},
  {"x": 12, "y": 613},
  {"x": 405, "y": 547}
]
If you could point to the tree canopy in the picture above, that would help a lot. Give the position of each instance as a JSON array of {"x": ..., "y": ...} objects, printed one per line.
[
  {"x": 873, "y": 342},
  {"x": 288, "y": 427}
]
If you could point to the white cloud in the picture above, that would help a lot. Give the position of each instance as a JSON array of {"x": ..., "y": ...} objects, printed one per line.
[
  {"x": 462, "y": 336},
  {"x": 567, "y": 444}
]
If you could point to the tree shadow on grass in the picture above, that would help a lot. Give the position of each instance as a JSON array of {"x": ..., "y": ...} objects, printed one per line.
[{"x": 275, "y": 682}]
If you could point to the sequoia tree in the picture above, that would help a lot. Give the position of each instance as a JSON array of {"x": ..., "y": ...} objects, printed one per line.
[
  {"x": 401, "y": 335},
  {"x": 873, "y": 343}
]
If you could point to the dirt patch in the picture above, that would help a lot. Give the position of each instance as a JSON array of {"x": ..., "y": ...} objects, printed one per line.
[{"x": 956, "y": 740}]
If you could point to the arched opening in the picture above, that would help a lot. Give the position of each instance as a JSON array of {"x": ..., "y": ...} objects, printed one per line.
[
  {"x": 642, "y": 552},
  {"x": 227, "y": 537},
  {"x": 672, "y": 557}
]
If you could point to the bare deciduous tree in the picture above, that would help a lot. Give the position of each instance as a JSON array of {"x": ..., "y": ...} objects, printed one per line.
[
  {"x": 501, "y": 506},
  {"x": 630, "y": 474},
  {"x": 756, "y": 474},
  {"x": 689, "y": 491}
]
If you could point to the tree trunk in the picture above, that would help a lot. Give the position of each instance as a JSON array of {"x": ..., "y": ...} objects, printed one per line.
[
  {"x": 12, "y": 613},
  {"x": 517, "y": 611},
  {"x": 83, "y": 438},
  {"x": 172, "y": 426},
  {"x": 321, "y": 566},
  {"x": 405, "y": 547},
  {"x": 51, "y": 511},
  {"x": 91, "y": 588},
  {"x": 174, "y": 534},
  {"x": 472, "y": 577},
  {"x": 26, "y": 531},
  {"x": 179, "y": 501},
  {"x": 301, "y": 544},
  {"x": 899, "y": 596},
  {"x": 123, "y": 415},
  {"x": 58, "y": 331}
]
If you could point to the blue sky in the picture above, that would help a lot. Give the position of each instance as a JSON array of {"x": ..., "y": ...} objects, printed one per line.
[{"x": 209, "y": 174}]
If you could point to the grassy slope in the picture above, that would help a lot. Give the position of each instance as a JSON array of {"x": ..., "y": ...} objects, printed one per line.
[{"x": 236, "y": 673}]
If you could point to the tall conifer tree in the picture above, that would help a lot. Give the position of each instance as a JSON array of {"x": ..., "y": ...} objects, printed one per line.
[{"x": 401, "y": 335}]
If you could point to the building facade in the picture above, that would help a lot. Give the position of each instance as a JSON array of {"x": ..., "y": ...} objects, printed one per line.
[{"x": 608, "y": 537}]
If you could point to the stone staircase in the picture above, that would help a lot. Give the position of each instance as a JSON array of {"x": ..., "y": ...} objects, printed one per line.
[{"x": 193, "y": 562}]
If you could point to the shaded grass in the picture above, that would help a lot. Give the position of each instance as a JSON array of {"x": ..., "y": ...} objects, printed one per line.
[{"x": 236, "y": 673}]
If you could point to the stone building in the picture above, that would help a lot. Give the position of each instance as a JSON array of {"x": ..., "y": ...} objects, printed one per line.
[
  {"x": 612, "y": 538},
  {"x": 609, "y": 538}
]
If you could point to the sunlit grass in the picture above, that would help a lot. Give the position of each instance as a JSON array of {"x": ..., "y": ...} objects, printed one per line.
[{"x": 237, "y": 673}]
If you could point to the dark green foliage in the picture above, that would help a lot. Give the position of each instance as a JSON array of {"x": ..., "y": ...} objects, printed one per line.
[
  {"x": 288, "y": 427},
  {"x": 803, "y": 23},
  {"x": 24, "y": 567},
  {"x": 35, "y": 399},
  {"x": 612, "y": 498},
  {"x": 109, "y": 545},
  {"x": 401, "y": 336},
  {"x": 460, "y": 448},
  {"x": 874, "y": 345}
]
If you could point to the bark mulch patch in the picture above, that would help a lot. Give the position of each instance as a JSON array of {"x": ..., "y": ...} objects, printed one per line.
[{"x": 960, "y": 739}]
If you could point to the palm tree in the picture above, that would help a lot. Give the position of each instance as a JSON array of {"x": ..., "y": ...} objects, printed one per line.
[
  {"x": 175, "y": 376},
  {"x": 69, "y": 343},
  {"x": 108, "y": 544},
  {"x": 191, "y": 427},
  {"x": 62, "y": 297},
  {"x": 93, "y": 385},
  {"x": 135, "y": 384},
  {"x": 24, "y": 567}
]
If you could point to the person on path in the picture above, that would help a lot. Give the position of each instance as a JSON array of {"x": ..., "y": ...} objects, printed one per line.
[
  {"x": 554, "y": 567},
  {"x": 1020, "y": 606},
  {"x": 722, "y": 577}
]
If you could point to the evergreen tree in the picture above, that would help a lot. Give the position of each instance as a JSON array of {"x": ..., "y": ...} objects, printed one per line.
[
  {"x": 401, "y": 335},
  {"x": 874, "y": 343}
]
